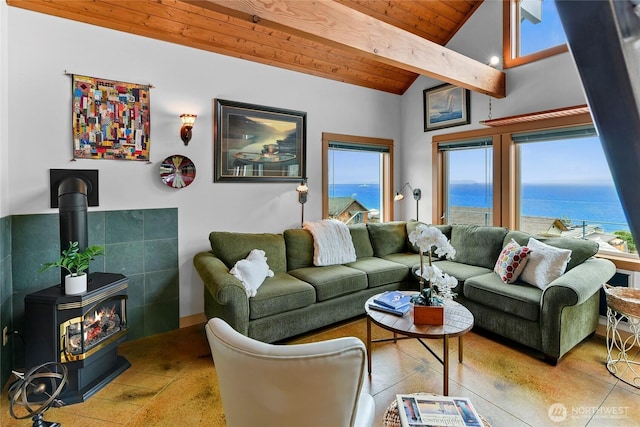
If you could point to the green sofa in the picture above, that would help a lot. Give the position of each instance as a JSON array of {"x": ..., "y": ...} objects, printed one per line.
[{"x": 301, "y": 297}]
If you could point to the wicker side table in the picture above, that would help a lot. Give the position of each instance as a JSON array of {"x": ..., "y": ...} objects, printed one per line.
[
  {"x": 623, "y": 304},
  {"x": 392, "y": 417}
]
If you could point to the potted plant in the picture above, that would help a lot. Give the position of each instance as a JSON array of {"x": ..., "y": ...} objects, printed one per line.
[
  {"x": 429, "y": 303},
  {"x": 76, "y": 262}
]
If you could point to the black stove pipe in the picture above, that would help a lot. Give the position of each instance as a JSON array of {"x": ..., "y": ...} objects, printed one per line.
[{"x": 72, "y": 204}]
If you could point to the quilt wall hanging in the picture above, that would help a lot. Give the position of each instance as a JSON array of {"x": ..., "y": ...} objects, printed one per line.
[{"x": 111, "y": 119}]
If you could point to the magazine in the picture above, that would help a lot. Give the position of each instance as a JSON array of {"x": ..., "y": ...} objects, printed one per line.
[
  {"x": 392, "y": 299},
  {"x": 435, "y": 410},
  {"x": 400, "y": 311}
]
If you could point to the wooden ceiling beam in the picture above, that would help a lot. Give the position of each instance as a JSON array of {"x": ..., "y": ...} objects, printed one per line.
[{"x": 335, "y": 24}]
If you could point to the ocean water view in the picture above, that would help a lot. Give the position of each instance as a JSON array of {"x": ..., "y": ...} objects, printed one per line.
[{"x": 593, "y": 203}]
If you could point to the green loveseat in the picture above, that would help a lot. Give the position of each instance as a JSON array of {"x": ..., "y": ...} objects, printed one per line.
[
  {"x": 552, "y": 320},
  {"x": 301, "y": 297}
]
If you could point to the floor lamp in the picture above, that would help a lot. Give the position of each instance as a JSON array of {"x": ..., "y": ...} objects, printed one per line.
[
  {"x": 417, "y": 195},
  {"x": 303, "y": 191}
]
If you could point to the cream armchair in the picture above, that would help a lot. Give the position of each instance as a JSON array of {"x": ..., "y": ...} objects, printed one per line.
[{"x": 315, "y": 384}]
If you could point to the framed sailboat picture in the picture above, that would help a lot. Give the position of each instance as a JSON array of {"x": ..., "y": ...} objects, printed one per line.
[{"x": 446, "y": 106}]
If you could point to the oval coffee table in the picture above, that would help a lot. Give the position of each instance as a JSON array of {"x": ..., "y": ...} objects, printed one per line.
[{"x": 457, "y": 322}]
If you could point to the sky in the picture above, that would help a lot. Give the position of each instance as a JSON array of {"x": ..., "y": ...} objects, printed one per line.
[
  {"x": 355, "y": 167},
  {"x": 578, "y": 160},
  {"x": 545, "y": 34}
]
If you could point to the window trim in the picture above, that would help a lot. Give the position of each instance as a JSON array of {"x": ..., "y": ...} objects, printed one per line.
[
  {"x": 504, "y": 161},
  {"x": 510, "y": 39},
  {"x": 440, "y": 173},
  {"x": 387, "y": 167}
]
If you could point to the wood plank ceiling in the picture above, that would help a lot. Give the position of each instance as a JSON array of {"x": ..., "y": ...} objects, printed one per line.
[{"x": 203, "y": 25}]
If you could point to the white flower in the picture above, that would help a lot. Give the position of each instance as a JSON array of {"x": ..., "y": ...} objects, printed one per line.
[{"x": 427, "y": 237}]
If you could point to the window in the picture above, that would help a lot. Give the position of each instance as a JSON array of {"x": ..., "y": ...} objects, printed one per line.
[
  {"x": 550, "y": 178},
  {"x": 357, "y": 175},
  {"x": 532, "y": 30},
  {"x": 566, "y": 188},
  {"x": 468, "y": 182}
]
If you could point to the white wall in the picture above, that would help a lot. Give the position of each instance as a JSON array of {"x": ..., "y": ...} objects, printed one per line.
[
  {"x": 4, "y": 145},
  {"x": 543, "y": 85},
  {"x": 42, "y": 48}
]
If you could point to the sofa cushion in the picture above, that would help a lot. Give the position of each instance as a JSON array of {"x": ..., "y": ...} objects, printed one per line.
[
  {"x": 511, "y": 262},
  {"x": 460, "y": 271},
  {"x": 231, "y": 247},
  {"x": 361, "y": 241},
  {"x": 299, "y": 250},
  {"x": 581, "y": 249},
  {"x": 405, "y": 258},
  {"x": 517, "y": 299},
  {"x": 477, "y": 245},
  {"x": 380, "y": 271},
  {"x": 280, "y": 294},
  {"x": 546, "y": 263},
  {"x": 388, "y": 237},
  {"x": 332, "y": 281},
  {"x": 411, "y": 225}
]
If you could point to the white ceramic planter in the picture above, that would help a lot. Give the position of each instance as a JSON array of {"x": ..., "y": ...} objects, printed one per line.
[{"x": 75, "y": 285}]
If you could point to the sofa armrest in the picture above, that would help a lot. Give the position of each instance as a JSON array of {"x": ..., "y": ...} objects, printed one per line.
[
  {"x": 578, "y": 284},
  {"x": 569, "y": 306},
  {"x": 224, "y": 295}
]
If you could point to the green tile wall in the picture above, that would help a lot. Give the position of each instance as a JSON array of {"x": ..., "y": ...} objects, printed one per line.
[
  {"x": 141, "y": 244},
  {"x": 6, "y": 311}
]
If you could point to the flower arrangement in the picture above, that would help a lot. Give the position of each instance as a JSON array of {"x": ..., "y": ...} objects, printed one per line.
[{"x": 430, "y": 239}]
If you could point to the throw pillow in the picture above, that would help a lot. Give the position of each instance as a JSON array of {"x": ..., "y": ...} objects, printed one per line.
[
  {"x": 546, "y": 263},
  {"x": 252, "y": 271},
  {"x": 512, "y": 261}
]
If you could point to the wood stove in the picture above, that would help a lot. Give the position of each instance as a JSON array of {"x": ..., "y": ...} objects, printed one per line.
[{"x": 81, "y": 331}]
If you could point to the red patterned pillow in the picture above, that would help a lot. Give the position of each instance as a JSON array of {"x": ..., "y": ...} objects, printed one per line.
[{"x": 511, "y": 261}]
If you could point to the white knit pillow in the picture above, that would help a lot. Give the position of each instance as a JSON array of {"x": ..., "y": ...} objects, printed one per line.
[
  {"x": 252, "y": 271},
  {"x": 546, "y": 263}
]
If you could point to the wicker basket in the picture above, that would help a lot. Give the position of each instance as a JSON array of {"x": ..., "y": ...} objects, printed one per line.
[{"x": 623, "y": 300}]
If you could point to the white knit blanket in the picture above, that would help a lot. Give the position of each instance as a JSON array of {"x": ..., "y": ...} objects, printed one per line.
[{"x": 332, "y": 242}]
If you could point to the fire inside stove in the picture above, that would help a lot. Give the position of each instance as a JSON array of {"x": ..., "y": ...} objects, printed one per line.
[{"x": 100, "y": 325}]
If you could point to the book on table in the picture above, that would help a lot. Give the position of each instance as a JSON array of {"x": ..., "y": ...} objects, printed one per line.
[
  {"x": 392, "y": 299},
  {"x": 400, "y": 311},
  {"x": 435, "y": 410}
]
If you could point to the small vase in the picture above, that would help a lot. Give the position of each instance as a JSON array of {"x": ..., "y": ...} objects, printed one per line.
[
  {"x": 75, "y": 285},
  {"x": 428, "y": 315}
]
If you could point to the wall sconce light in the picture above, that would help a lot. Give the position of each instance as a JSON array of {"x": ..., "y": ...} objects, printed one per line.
[
  {"x": 303, "y": 191},
  {"x": 417, "y": 195},
  {"x": 187, "y": 124}
]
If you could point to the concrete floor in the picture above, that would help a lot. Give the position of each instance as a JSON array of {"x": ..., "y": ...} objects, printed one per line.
[{"x": 172, "y": 382}]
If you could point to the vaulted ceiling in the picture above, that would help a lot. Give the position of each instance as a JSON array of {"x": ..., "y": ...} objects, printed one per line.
[{"x": 383, "y": 45}]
